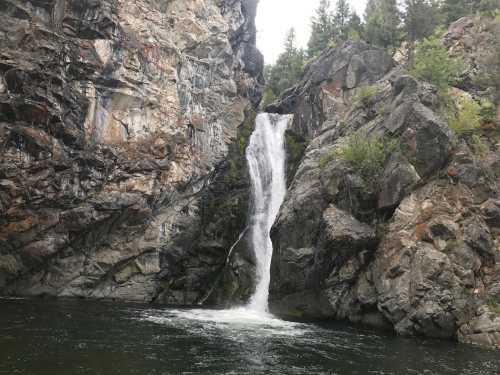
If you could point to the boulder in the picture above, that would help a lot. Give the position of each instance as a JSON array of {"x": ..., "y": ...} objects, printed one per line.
[
  {"x": 397, "y": 181},
  {"x": 483, "y": 330},
  {"x": 343, "y": 233}
]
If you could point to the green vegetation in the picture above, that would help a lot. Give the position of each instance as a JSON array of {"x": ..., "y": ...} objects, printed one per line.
[
  {"x": 326, "y": 159},
  {"x": 269, "y": 96},
  {"x": 367, "y": 155},
  {"x": 383, "y": 20},
  {"x": 388, "y": 23},
  {"x": 494, "y": 306},
  {"x": 286, "y": 72},
  {"x": 466, "y": 121},
  {"x": 421, "y": 18},
  {"x": 489, "y": 7},
  {"x": 479, "y": 147},
  {"x": 382, "y": 109},
  {"x": 467, "y": 118},
  {"x": 366, "y": 94},
  {"x": 331, "y": 27},
  {"x": 295, "y": 146},
  {"x": 237, "y": 157},
  {"x": 488, "y": 111},
  {"x": 322, "y": 29},
  {"x": 364, "y": 154},
  {"x": 490, "y": 80},
  {"x": 432, "y": 63},
  {"x": 455, "y": 9}
]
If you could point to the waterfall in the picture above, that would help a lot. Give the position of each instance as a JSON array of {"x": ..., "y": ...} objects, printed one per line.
[{"x": 266, "y": 157}]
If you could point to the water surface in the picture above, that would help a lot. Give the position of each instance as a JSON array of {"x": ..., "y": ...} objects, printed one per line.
[{"x": 72, "y": 337}]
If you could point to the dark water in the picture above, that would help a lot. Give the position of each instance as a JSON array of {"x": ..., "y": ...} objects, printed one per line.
[{"x": 80, "y": 337}]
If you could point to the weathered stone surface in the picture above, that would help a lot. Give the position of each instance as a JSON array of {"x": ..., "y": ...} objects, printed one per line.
[
  {"x": 353, "y": 65},
  {"x": 344, "y": 233},
  {"x": 312, "y": 281},
  {"x": 114, "y": 116},
  {"x": 483, "y": 330},
  {"x": 491, "y": 212},
  {"x": 397, "y": 180},
  {"x": 413, "y": 246},
  {"x": 472, "y": 38}
]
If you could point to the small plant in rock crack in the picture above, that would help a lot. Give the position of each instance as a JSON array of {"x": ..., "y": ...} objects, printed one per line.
[
  {"x": 432, "y": 63},
  {"x": 367, "y": 155},
  {"x": 479, "y": 146},
  {"x": 467, "y": 118},
  {"x": 494, "y": 306},
  {"x": 366, "y": 94}
]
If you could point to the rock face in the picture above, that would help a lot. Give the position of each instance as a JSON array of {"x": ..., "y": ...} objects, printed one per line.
[
  {"x": 413, "y": 246},
  {"x": 115, "y": 117}
]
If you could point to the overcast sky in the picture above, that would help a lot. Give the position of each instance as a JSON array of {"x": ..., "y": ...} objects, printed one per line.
[{"x": 276, "y": 17}]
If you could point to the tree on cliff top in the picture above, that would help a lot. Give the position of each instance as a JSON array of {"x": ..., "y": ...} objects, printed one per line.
[
  {"x": 421, "y": 17},
  {"x": 341, "y": 19},
  {"x": 383, "y": 23},
  {"x": 286, "y": 71},
  {"x": 432, "y": 63},
  {"x": 328, "y": 27},
  {"x": 455, "y": 9},
  {"x": 322, "y": 29}
]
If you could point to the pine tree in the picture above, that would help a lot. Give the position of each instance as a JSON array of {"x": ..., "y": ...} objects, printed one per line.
[
  {"x": 432, "y": 63},
  {"x": 286, "y": 71},
  {"x": 421, "y": 17},
  {"x": 290, "y": 40},
  {"x": 489, "y": 78},
  {"x": 355, "y": 27},
  {"x": 341, "y": 19},
  {"x": 455, "y": 9},
  {"x": 489, "y": 6},
  {"x": 323, "y": 30},
  {"x": 383, "y": 21},
  {"x": 371, "y": 7}
]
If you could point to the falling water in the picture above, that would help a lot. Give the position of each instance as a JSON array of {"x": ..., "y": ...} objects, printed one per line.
[{"x": 266, "y": 162}]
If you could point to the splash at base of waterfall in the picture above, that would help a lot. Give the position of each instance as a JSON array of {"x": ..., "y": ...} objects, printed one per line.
[{"x": 238, "y": 319}]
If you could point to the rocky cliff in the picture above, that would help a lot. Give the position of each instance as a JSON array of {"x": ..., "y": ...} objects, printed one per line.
[
  {"x": 414, "y": 246},
  {"x": 123, "y": 127},
  {"x": 115, "y": 118}
]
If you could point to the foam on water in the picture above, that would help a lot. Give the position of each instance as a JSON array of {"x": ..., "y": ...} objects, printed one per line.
[{"x": 233, "y": 322}]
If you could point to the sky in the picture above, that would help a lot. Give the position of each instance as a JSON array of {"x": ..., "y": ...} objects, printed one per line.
[{"x": 276, "y": 17}]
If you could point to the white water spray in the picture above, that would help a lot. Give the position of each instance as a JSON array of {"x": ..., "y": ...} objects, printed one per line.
[{"x": 266, "y": 156}]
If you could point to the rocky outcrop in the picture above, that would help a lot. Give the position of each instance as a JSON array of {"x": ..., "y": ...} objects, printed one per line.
[
  {"x": 414, "y": 244},
  {"x": 115, "y": 117}
]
